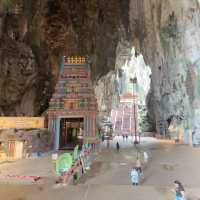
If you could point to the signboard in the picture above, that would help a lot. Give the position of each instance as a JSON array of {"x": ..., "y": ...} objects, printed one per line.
[{"x": 21, "y": 122}]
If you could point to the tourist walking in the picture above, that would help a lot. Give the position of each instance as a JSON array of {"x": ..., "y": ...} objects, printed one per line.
[
  {"x": 117, "y": 146},
  {"x": 138, "y": 165},
  {"x": 179, "y": 191},
  {"x": 139, "y": 169},
  {"x": 135, "y": 176},
  {"x": 146, "y": 157}
]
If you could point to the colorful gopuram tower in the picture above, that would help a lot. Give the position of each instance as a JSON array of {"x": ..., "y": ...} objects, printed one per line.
[{"x": 73, "y": 106}]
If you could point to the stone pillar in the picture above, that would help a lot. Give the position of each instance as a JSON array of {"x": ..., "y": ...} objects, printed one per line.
[
  {"x": 93, "y": 126},
  {"x": 85, "y": 125}
]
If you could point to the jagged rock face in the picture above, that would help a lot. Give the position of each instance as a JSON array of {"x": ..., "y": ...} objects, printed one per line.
[
  {"x": 55, "y": 28},
  {"x": 21, "y": 80},
  {"x": 25, "y": 78},
  {"x": 107, "y": 92},
  {"x": 18, "y": 75},
  {"x": 166, "y": 32},
  {"x": 86, "y": 28}
]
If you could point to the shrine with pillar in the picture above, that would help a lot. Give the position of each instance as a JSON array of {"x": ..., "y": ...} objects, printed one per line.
[
  {"x": 124, "y": 117},
  {"x": 73, "y": 106}
]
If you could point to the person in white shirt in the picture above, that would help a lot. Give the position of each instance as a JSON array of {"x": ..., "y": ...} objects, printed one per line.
[
  {"x": 146, "y": 157},
  {"x": 134, "y": 176}
]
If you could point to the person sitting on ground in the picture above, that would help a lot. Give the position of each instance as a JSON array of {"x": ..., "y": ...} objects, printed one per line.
[
  {"x": 134, "y": 176},
  {"x": 179, "y": 191}
]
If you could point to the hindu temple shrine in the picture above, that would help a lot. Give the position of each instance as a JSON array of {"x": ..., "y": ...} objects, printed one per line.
[
  {"x": 73, "y": 106},
  {"x": 124, "y": 117}
]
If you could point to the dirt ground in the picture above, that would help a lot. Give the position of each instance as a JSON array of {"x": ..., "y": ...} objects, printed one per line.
[{"x": 109, "y": 177}]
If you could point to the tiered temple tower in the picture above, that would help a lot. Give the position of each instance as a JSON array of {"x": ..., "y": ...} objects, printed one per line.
[
  {"x": 124, "y": 118},
  {"x": 73, "y": 106}
]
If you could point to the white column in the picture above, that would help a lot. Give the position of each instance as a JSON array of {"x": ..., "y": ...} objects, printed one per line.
[
  {"x": 115, "y": 119},
  {"x": 122, "y": 119},
  {"x": 130, "y": 123}
]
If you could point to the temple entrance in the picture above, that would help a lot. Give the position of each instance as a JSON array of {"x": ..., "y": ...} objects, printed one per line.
[
  {"x": 70, "y": 132},
  {"x": 73, "y": 107}
]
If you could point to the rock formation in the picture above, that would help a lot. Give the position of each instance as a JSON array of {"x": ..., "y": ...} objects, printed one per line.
[
  {"x": 25, "y": 78},
  {"x": 166, "y": 33}
]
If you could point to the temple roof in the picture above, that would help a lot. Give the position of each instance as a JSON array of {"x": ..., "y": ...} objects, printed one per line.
[
  {"x": 74, "y": 91},
  {"x": 75, "y": 61}
]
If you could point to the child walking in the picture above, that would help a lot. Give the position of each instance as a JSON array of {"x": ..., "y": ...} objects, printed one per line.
[
  {"x": 179, "y": 191},
  {"x": 135, "y": 176}
]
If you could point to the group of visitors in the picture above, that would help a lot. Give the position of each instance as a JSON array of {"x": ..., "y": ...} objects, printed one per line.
[
  {"x": 137, "y": 175},
  {"x": 137, "y": 178},
  {"x": 125, "y": 136}
]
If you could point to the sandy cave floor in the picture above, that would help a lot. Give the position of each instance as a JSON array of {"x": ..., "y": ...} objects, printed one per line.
[{"x": 109, "y": 177}]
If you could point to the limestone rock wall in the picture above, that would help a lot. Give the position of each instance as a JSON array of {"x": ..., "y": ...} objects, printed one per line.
[
  {"x": 47, "y": 30},
  {"x": 25, "y": 73},
  {"x": 86, "y": 28},
  {"x": 167, "y": 34},
  {"x": 107, "y": 92}
]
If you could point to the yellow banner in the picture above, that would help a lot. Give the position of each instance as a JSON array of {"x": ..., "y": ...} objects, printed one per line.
[{"x": 21, "y": 122}]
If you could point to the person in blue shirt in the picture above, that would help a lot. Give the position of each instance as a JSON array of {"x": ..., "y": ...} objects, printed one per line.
[
  {"x": 179, "y": 191},
  {"x": 135, "y": 176}
]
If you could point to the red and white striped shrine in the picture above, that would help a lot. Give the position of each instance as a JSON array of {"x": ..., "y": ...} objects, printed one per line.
[{"x": 124, "y": 117}]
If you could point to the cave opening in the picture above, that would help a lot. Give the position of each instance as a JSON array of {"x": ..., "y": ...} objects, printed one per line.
[{"x": 134, "y": 78}]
